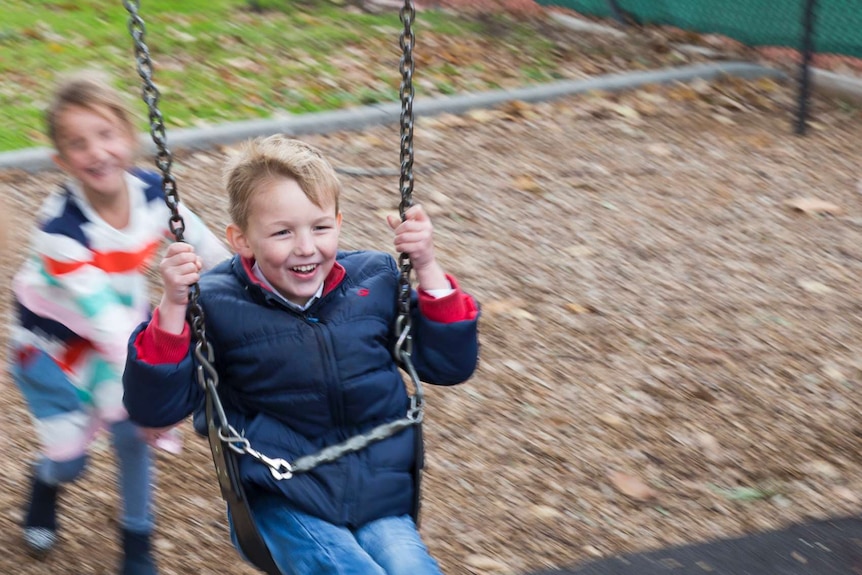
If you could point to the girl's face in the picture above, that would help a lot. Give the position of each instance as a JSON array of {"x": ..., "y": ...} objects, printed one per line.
[
  {"x": 293, "y": 241},
  {"x": 96, "y": 149}
]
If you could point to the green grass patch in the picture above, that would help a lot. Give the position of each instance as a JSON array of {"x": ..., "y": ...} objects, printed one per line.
[{"x": 222, "y": 60}]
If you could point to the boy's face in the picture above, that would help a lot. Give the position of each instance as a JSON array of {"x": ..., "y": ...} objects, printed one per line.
[
  {"x": 96, "y": 149},
  {"x": 293, "y": 241}
]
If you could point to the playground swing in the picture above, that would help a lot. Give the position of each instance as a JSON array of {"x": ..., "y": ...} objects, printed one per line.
[{"x": 226, "y": 443}]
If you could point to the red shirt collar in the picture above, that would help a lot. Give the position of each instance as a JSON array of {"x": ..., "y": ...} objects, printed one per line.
[{"x": 336, "y": 274}]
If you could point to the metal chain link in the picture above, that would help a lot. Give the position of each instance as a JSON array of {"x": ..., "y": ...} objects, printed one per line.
[
  {"x": 207, "y": 375},
  {"x": 404, "y": 339}
]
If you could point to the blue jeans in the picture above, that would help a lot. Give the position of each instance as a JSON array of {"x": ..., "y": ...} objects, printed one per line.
[{"x": 304, "y": 545}]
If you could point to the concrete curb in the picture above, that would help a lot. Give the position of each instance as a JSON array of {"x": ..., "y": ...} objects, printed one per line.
[
  {"x": 837, "y": 85},
  {"x": 37, "y": 159}
]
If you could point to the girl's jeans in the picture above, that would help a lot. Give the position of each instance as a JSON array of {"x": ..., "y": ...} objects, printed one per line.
[{"x": 304, "y": 545}]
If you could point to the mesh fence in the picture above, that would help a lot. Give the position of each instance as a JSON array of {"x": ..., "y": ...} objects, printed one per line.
[{"x": 837, "y": 23}]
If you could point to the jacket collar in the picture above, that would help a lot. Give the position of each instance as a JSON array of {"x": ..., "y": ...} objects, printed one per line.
[{"x": 335, "y": 277}]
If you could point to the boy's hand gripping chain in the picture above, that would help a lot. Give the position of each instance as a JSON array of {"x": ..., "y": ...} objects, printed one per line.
[{"x": 206, "y": 373}]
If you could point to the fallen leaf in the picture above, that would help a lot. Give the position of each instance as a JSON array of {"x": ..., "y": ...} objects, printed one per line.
[
  {"x": 812, "y": 286},
  {"x": 242, "y": 63},
  {"x": 517, "y": 109},
  {"x": 631, "y": 486},
  {"x": 527, "y": 183},
  {"x": 814, "y": 206},
  {"x": 592, "y": 550},
  {"x": 624, "y": 111},
  {"x": 611, "y": 419},
  {"x": 485, "y": 563},
  {"x": 482, "y": 116},
  {"x": 822, "y": 468},
  {"x": 710, "y": 447},
  {"x": 834, "y": 373},
  {"x": 577, "y": 308},
  {"x": 522, "y": 314},
  {"x": 662, "y": 150},
  {"x": 501, "y": 306},
  {"x": 846, "y": 494},
  {"x": 545, "y": 512},
  {"x": 722, "y": 119},
  {"x": 745, "y": 493},
  {"x": 579, "y": 251}
]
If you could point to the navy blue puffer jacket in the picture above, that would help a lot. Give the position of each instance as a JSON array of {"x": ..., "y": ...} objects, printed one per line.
[{"x": 295, "y": 382}]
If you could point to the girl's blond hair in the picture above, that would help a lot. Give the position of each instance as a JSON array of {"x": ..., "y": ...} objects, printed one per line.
[
  {"x": 93, "y": 91},
  {"x": 262, "y": 160}
]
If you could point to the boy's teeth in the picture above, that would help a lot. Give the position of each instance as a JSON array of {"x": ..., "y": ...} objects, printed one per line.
[{"x": 304, "y": 268}]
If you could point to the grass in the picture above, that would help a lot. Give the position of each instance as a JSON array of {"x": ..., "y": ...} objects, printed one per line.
[{"x": 219, "y": 60}]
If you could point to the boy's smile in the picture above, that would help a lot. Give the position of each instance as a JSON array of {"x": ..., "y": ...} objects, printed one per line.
[{"x": 293, "y": 241}]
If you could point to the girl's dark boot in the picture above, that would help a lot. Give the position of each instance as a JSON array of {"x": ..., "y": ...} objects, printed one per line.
[
  {"x": 40, "y": 522},
  {"x": 137, "y": 554}
]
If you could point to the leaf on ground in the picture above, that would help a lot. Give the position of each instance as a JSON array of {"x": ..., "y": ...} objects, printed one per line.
[
  {"x": 659, "y": 149},
  {"x": 710, "y": 447},
  {"x": 624, "y": 111},
  {"x": 611, "y": 419},
  {"x": 813, "y": 286},
  {"x": 730, "y": 103},
  {"x": 502, "y": 306},
  {"x": 759, "y": 141},
  {"x": 684, "y": 93},
  {"x": 744, "y": 493},
  {"x": 485, "y": 563},
  {"x": 722, "y": 119},
  {"x": 579, "y": 309},
  {"x": 444, "y": 121},
  {"x": 482, "y": 116},
  {"x": 814, "y": 206},
  {"x": 242, "y": 63},
  {"x": 579, "y": 251},
  {"x": 767, "y": 84},
  {"x": 823, "y": 468},
  {"x": 846, "y": 494},
  {"x": 526, "y": 183},
  {"x": 180, "y": 36},
  {"x": 545, "y": 512},
  {"x": 631, "y": 486},
  {"x": 518, "y": 109}
]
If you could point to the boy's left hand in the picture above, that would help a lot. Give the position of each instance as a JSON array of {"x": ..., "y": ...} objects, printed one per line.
[{"x": 414, "y": 236}]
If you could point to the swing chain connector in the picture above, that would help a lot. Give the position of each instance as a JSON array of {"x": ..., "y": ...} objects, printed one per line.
[
  {"x": 206, "y": 371},
  {"x": 416, "y": 413},
  {"x": 239, "y": 444}
]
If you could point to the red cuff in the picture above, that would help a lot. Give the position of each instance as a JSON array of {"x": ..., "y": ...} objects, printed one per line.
[
  {"x": 457, "y": 306},
  {"x": 155, "y": 346}
]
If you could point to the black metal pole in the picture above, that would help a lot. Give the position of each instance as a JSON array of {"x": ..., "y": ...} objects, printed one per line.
[
  {"x": 617, "y": 12},
  {"x": 807, "y": 50}
]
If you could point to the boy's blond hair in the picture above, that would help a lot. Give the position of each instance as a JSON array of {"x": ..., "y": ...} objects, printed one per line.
[
  {"x": 93, "y": 91},
  {"x": 262, "y": 160}
]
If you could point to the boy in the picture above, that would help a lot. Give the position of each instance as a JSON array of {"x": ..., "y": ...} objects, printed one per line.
[{"x": 303, "y": 336}]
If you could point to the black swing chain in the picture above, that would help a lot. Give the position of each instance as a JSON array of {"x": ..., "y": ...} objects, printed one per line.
[
  {"x": 206, "y": 373},
  {"x": 404, "y": 338}
]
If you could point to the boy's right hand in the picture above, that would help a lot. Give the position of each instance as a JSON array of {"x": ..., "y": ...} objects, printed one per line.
[{"x": 180, "y": 268}]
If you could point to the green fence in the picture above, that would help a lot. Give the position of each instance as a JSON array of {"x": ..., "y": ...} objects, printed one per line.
[{"x": 837, "y": 23}]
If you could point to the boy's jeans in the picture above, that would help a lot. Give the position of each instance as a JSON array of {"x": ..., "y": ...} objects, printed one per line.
[{"x": 304, "y": 545}]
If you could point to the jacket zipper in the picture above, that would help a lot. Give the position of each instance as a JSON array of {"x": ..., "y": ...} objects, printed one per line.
[{"x": 333, "y": 392}]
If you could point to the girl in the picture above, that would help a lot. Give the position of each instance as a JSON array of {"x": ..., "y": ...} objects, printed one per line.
[{"x": 79, "y": 295}]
